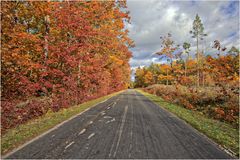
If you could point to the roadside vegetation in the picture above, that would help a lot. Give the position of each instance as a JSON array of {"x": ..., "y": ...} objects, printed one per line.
[
  {"x": 201, "y": 86},
  {"x": 59, "y": 54},
  {"x": 221, "y": 132},
  {"x": 196, "y": 80},
  {"x": 209, "y": 101},
  {"x": 22, "y": 133}
]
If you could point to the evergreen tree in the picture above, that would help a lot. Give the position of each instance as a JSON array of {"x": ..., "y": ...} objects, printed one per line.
[{"x": 198, "y": 33}]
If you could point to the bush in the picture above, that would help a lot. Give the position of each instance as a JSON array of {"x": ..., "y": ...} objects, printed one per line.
[{"x": 215, "y": 102}]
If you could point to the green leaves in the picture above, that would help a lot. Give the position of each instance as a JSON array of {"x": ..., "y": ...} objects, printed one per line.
[
  {"x": 186, "y": 45},
  {"x": 198, "y": 28}
]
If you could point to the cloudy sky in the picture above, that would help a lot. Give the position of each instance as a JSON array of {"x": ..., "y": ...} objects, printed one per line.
[{"x": 151, "y": 19}]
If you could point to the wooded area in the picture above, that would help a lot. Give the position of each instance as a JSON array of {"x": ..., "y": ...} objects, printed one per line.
[
  {"x": 59, "y": 54},
  {"x": 196, "y": 80}
]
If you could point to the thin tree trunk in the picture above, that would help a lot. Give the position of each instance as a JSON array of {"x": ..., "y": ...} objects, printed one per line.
[
  {"x": 46, "y": 36},
  {"x": 186, "y": 68},
  {"x": 219, "y": 53},
  {"x": 198, "y": 72},
  {"x": 79, "y": 72},
  {"x": 202, "y": 67},
  {"x": 172, "y": 69},
  {"x": 203, "y": 79},
  {"x": 187, "y": 62},
  {"x": 167, "y": 76}
]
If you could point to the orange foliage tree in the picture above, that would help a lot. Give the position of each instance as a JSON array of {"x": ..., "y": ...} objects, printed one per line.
[{"x": 58, "y": 54}]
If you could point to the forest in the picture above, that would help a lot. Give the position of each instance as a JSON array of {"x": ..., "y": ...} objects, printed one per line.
[
  {"x": 208, "y": 83},
  {"x": 58, "y": 54}
]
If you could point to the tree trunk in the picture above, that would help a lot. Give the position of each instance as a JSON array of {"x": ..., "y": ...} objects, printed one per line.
[
  {"x": 186, "y": 68},
  {"x": 167, "y": 76},
  {"x": 46, "y": 36},
  {"x": 198, "y": 72},
  {"x": 186, "y": 64},
  {"x": 79, "y": 71},
  {"x": 203, "y": 79}
]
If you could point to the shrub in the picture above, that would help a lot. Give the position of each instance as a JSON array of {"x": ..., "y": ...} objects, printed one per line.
[{"x": 215, "y": 102}]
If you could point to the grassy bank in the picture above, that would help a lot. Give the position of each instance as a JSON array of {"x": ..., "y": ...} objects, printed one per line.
[
  {"x": 222, "y": 133},
  {"x": 25, "y": 132}
]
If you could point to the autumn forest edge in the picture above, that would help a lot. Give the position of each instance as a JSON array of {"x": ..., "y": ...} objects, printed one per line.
[{"x": 58, "y": 54}]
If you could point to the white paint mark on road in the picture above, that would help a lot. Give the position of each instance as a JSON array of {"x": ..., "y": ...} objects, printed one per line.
[
  {"x": 90, "y": 122},
  {"x": 111, "y": 104},
  {"x": 82, "y": 131},
  {"x": 106, "y": 117},
  {"x": 53, "y": 135},
  {"x": 91, "y": 135},
  {"x": 103, "y": 113},
  {"x": 131, "y": 134},
  {"x": 112, "y": 120},
  {"x": 114, "y": 104},
  {"x": 130, "y": 150},
  {"x": 120, "y": 131},
  {"x": 69, "y": 144}
]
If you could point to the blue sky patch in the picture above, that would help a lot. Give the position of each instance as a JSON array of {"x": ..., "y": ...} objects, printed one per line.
[{"x": 232, "y": 8}]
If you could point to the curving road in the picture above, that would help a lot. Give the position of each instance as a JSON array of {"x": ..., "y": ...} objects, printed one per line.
[{"x": 125, "y": 126}]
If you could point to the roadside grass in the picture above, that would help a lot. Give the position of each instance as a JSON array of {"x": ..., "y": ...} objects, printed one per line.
[
  {"x": 16, "y": 136},
  {"x": 222, "y": 133}
]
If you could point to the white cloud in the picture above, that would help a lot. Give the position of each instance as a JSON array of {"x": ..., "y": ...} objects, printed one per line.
[{"x": 151, "y": 19}]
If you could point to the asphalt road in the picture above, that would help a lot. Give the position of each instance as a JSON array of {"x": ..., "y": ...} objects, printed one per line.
[{"x": 125, "y": 126}]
